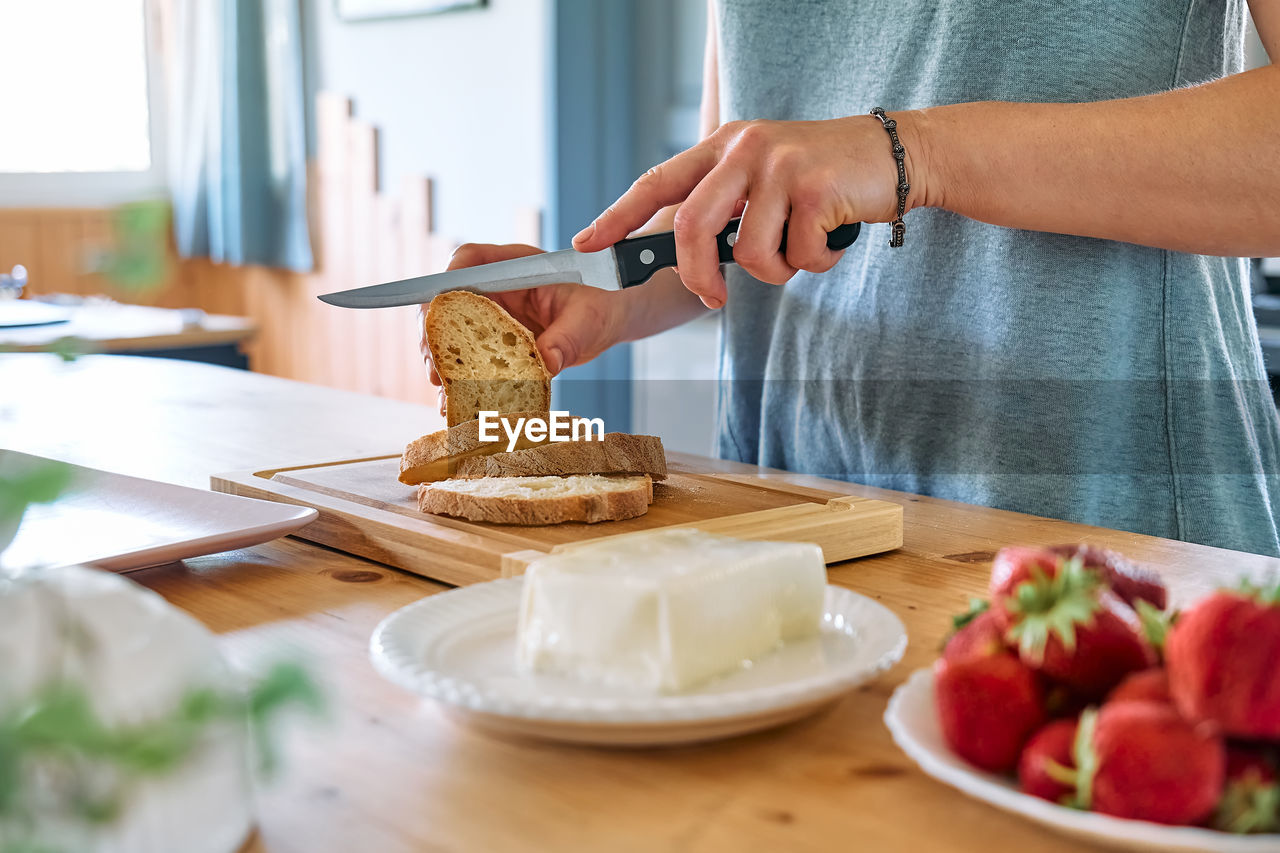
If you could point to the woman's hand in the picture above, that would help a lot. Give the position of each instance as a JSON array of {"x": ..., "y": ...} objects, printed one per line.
[
  {"x": 572, "y": 323},
  {"x": 816, "y": 175}
]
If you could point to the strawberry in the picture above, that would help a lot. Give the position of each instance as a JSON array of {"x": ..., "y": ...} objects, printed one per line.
[
  {"x": 1133, "y": 583},
  {"x": 988, "y": 701},
  {"x": 1222, "y": 654},
  {"x": 1046, "y": 768},
  {"x": 1143, "y": 761},
  {"x": 1251, "y": 800},
  {"x": 1149, "y": 685},
  {"x": 1064, "y": 702},
  {"x": 1012, "y": 567},
  {"x": 1065, "y": 622}
]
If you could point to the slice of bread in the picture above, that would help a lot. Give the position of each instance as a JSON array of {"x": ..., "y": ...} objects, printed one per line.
[
  {"x": 436, "y": 456},
  {"x": 539, "y": 500},
  {"x": 618, "y": 453},
  {"x": 487, "y": 360}
]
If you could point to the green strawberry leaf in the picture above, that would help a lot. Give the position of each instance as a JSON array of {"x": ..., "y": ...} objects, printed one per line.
[
  {"x": 1248, "y": 807},
  {"x": 1263, "y": 594},
  {"x": 1060, "y": 774},
  {"x": 1044, "y": 606},
  {"x": 1155, "y": 623},
  {"x": 1086, "y": 758},
  {"x": 977, "y": 606}
]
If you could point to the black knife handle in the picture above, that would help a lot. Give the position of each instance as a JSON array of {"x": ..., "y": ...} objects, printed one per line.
[{"x": 639, "y": 258}]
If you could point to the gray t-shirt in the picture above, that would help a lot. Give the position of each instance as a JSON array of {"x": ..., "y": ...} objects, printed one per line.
[{"x": 1075, "y": 378}]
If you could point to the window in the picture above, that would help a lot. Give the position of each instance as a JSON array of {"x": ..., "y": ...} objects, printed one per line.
[{"x": 76, "y": 103}]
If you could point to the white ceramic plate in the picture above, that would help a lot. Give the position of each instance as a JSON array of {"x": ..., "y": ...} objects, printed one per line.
[
  {"x": 914, "y": 725},
  {"x": 28, "y": 312},
  {"x": 121, "y": 523},
  {"x": 458, "y": 648}
]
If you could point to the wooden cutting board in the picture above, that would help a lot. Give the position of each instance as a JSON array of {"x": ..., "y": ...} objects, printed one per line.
[{"x": 365, "y": 510}]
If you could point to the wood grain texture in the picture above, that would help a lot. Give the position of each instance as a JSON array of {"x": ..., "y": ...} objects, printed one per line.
[
  {"x": 365, "y": 510},
  {"x": 390, "y": 773}
]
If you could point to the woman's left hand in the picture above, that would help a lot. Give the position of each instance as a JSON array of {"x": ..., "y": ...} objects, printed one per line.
[{"x": 814, "y": 175}]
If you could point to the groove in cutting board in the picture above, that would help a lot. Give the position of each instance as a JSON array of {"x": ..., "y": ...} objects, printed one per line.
[{"x": 365, "y": 510}]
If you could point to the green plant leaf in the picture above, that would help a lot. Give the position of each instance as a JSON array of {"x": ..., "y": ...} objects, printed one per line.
[
  {"x": 58, "y": 733},
  {"x": 138, "y": 261},
  {"x": 285, "y": 684}
]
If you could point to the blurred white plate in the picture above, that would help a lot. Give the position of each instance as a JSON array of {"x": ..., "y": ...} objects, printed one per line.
[
  {"x": 914, "y": 725},
  {"x": 121, "y": 523},
  {"x": 459, "y": 648},
  {"x": 26, "y": 312}
]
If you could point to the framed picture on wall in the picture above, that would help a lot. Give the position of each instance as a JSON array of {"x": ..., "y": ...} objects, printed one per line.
[{"x": 365, "y": 10}]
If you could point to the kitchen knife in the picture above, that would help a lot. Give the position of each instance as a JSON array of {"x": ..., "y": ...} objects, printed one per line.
[{"x": 625, "y": 264}]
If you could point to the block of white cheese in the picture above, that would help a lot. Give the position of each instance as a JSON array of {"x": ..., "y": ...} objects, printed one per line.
[{"x": 667, "y": 610}]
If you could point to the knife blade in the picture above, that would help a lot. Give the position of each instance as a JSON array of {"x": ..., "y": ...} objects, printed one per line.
[{"x": 625, "y": 264}]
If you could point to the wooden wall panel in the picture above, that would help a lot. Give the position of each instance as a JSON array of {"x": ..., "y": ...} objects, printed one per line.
[{"x": 360, "y": 236}]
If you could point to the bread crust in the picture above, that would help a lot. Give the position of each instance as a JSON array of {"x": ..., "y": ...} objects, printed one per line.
[
  {"x": 486, "y": 358},
  {"x": 617, "y": 453},
  {"x": 436, "y": 456},
  {"x": 590, "y": 507}
]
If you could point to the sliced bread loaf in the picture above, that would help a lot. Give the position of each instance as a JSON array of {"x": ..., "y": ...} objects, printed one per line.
[
  {"x": 436, "y": 456},
  {"x": 618, "y": 453},
  {"x": 487, "y": 360},
  {"x": 539, "y": 500}
]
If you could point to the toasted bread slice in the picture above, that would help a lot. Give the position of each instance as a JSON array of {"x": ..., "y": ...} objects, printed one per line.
[
  {"x": 487, "y": 360},
  {"x": 539, "y": 500},
  {"x": 617, "y": 453},
  {"x": 436, "y": 456}
]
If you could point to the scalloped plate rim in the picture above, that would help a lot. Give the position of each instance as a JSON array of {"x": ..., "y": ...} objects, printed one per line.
[{"x": 394, "y": 664}]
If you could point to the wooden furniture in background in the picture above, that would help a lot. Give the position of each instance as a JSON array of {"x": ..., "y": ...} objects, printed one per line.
[
  {"x": 391, "y": 773},
  {"x": 115, "y": 327},
  {"x": 360, "y": 236}
]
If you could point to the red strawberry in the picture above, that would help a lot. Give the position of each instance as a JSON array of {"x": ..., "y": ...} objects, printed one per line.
[
  {"x": 1064, "y": 702},
  {"x": 988, "y": 701},
  {"x": 1222, "y": 657},
  {"x": 1251, "y": 800},
  {"x": 1014, "y": 566},
  {"x": 1065, "y": 622},
  {"x": 1141, "y": 760},
  {"x": 1047, "y": 766},
  {"x": 1131, "y": 582},
  {"x": 1149, "y": 685},
  {"x": 977, "y": 634}
]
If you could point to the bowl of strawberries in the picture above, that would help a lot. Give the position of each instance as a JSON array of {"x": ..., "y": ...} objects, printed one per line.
[{"x": 1072, "y": 696}]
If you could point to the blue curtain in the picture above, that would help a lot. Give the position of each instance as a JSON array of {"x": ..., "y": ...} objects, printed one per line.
[{"x": 236, "y": 149}]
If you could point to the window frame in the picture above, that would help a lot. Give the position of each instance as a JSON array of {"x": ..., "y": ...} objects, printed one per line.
[{"x": 104, "y": 189}]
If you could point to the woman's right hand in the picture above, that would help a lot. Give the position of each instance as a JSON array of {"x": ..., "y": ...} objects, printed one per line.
[{"x": 573, "y": 323}]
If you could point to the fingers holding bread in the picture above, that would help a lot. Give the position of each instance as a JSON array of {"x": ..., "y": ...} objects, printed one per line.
[{"x": 489, "y": 363}]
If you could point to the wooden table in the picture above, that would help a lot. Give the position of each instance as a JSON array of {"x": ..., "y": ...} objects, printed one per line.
[{"x": 390, "y": 773}]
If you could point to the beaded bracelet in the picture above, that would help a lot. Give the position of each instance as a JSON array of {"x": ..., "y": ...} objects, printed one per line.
[{"x": 899, "y": 154}]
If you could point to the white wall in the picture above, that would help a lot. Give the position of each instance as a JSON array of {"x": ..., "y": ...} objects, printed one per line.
[{"x": 460, "y": 97}]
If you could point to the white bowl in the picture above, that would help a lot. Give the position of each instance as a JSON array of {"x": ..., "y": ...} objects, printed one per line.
[{"x": 913, "y": 722}]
